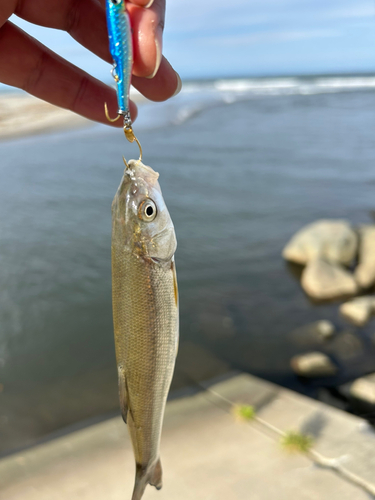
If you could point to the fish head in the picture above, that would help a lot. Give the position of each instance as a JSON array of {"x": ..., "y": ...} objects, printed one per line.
[{"x": 141, "y": 217}]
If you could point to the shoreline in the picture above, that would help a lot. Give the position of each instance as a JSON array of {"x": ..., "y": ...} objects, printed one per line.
[{"x": 24, "y": 115}]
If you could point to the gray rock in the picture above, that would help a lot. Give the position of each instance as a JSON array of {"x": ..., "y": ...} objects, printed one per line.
[
  {"x": 365, "y": 271},
  {"x": 313, "y": 334},
  {"x": 364, "y": 389},
  {"x": 333, "y": 240},
  {"x": 359, "y": 310},
  {"x": 346, "y": 346},
  {"x": 313, "y": 364},
  {"x": 323, "y": 280},
  {"x": 325, "y": 329}
]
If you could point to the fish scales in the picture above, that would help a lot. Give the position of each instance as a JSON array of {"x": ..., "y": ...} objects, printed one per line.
[{"x": 145, "y": 312}]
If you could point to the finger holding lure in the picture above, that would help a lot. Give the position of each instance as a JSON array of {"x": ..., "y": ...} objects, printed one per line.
[{"x": 121, "y": 49}]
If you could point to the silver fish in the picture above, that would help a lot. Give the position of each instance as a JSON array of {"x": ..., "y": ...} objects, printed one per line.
[{"x": 145, "y": 313}]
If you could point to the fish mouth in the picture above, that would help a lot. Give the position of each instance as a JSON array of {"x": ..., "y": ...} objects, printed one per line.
[{"x": 141, "y": 170}]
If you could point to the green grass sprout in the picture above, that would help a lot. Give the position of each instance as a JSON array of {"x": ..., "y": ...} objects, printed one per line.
[
  {"x": 244, "y": 412},
  {"x": 296, "y": 442}
]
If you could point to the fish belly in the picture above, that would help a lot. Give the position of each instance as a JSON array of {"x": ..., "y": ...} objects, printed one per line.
[{"x": 145, "y": 313}]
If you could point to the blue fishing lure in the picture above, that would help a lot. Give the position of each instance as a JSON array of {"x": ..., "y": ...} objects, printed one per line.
[{"x": 121, "y": 48}]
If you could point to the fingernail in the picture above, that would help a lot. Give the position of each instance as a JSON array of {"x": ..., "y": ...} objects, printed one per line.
[
  {"x": 158, "y": 59},
  {"x": 179, "y": 85},
  {"x": 149, "y": 4}
]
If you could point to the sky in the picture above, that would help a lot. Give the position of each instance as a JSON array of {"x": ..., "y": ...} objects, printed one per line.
[{"x": 217, "y": 38}]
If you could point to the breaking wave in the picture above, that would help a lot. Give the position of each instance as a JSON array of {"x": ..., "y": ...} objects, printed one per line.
[{"x": 197, "y": 96}]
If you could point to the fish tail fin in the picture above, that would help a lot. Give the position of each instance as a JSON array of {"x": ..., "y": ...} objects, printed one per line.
[{"x": 143, "y": 477}]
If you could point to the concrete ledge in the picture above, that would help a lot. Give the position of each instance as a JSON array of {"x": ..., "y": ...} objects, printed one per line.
[{"x": 206, "y": 454}]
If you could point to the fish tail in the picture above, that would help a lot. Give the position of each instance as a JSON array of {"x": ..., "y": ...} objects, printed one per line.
[{"x": 143, "y": 477}]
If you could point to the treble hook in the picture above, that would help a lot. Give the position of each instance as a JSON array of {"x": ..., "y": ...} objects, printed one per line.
[{"x": 128, "y": 130}]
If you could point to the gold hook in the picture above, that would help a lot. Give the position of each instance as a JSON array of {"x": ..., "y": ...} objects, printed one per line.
[
  {"x": 128, "y": 131},
  {"x": 107, "y": 114}
]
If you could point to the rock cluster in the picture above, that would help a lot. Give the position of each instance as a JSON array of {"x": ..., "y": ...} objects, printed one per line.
[
  {"x": 313, "y": 364},
  {"x": 339, "y": 262},
  {"x": 326, "y": 248}
]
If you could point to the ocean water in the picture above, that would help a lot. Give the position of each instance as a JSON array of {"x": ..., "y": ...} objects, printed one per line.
[{"x": 243, "y": 165}]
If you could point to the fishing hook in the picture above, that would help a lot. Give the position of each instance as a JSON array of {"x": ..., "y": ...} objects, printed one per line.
[
  {"x": 129, "y": 134},
  {"x": 128, "y": 130},
  {"x": 107, "y": 114}
]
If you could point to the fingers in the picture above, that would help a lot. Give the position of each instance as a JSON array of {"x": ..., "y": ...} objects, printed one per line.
[
  {"x": 148, "y": 26},
  {"x": 164, "y": 85},
  {"x": 84, "y": 20},
  {"x": 147, "y": 19},
  {"x": 27, "y": 64},
  {"x": 142, "y": 3},
  {"x": 43, "y": 73}
]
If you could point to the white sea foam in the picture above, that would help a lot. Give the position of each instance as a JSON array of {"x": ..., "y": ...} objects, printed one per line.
[
  {"x": 282, "y": 86},
  {"x": 199, "y": 95}
]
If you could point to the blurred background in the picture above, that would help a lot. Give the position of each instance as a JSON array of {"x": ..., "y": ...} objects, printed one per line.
[{"x": 273, "y": 129}]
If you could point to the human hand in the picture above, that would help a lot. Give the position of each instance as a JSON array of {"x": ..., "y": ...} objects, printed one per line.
[{"x": 27, "y": 64}]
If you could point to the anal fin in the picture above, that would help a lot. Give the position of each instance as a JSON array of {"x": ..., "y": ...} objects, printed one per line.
[
  {"x": 156, "y": 476},
  {"x": 123, "y": 393}
]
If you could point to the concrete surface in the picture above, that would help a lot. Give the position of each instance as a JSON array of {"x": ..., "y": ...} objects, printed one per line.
[{"x": 206, "y": 454}]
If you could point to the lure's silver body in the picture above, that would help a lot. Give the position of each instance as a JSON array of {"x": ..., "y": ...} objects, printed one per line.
[{"x": 121, "y": 49}]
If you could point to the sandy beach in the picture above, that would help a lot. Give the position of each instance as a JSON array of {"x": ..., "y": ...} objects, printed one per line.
[
  {"x": 26, "y": 115},
  {"x": 23, "y": 114}
]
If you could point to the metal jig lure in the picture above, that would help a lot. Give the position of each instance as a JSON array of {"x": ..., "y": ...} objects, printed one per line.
[{"x": 121, "y": 49}]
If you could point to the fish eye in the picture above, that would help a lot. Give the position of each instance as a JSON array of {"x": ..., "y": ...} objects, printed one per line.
[
  {"x": 116, "y": 2},
  {"x": 147, "y": 210}
]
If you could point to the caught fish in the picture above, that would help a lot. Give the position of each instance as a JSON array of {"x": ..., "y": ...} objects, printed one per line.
[{"x": 145, "y": 313}]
